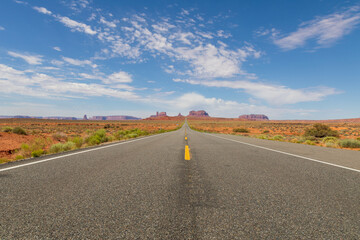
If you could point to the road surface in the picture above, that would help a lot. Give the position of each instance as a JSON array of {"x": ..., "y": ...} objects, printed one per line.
[{"x": 231, "y": 187}]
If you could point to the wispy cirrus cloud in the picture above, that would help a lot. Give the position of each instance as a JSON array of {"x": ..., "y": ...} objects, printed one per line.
[
  {"x": 325, "y": 30},
  {"x": 76, "y": 26},
  {"x": 30, "y": 59},
  {"x": 2, "y": 28},
  {"x": 78, "y": 62},
  {"x": 42, "y": 10},
  {"x": 36, "y": 84},
  {"x": 273, "y": 94}
]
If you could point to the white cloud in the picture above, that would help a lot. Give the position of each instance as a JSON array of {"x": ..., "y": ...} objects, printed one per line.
[
  {"x": 77, "y": 62},
  {"x": 76, "y": 26},
  {"x": 119, "y": 77},
  {"x": 108, "y": 23},
  {"x": 35, "y": 84},
  {"x": 271, "y": 93},
  {"x": 78, "y": 5},
  {"x": 324, "y": 30},
  {"x": 88, "y": 76},
  {"x": 57, "y": 62},
  {"x": 42, "y": 10},
  {"x": 2, "y": 28},
  {"x": 30, "y": 59},
  {"x": 218, "y": 107},
  {"x": 57, "y": 49}
]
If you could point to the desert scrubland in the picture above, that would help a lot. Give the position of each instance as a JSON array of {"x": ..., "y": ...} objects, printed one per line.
[
  {"x": 24, "y": 138},
  {"x": 329, "y": 133}
]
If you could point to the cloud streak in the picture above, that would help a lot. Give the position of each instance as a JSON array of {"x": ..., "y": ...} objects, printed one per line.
[
  {"x": 273, "y": 94},
  {"x": 324, "y": 30},
  {"x": 30, "y": 59}
]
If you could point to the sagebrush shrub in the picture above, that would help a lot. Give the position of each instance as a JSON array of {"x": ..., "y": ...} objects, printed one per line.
[
  {"x": 349, "y": 143},
  {"x": 7, "y": 129},
  {"x": 320, "y": 130},
  {"x": 241, "y": 130},
  {"x": 19, "y": 130}
]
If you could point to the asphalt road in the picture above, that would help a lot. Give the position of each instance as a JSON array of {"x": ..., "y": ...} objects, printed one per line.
[{"x": 145, "y": 189}]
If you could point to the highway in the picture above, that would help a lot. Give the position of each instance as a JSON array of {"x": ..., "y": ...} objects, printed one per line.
[{"x": 184, "y": 185}]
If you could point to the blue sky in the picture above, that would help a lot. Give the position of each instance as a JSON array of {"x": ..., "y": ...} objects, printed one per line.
[{"x": 285, "y": 59}]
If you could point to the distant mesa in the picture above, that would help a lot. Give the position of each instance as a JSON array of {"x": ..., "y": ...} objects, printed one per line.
[
  {"x": 60, "y": 118},
  {"x": 254, "y": 117},
  {"x": 85, "y": 117},
  {"x": 159, "y": 114},
  {"x": 114, "y": 118},
  {"x": 200, "y": 113}
]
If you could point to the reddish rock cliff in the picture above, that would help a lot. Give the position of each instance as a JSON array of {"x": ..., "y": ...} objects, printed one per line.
[{"x": 200, "y": 113}]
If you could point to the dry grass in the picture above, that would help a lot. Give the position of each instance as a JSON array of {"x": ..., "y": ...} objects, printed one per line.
[
  {"x": 78, "y": 133},
  {"x": 291, "y": 131}
]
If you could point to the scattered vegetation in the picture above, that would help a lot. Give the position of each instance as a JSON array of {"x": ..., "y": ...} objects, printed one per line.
[
  {"x": 19, "y": 130},
  {"x": 332, "y": 134},
  {"x": 241, "y": 130},
  {"x": 320, "y": 130},
  {"x": 7, "y": 129},
  {"x": 54, "y": 136},
  {"x": 349, "y": 143},
  {"x": 37, "y": 153},
  {"x": 278, "y": 138}
]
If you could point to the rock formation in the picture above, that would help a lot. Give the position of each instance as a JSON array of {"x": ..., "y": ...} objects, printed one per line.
[
  {"x": 254, "y": 117},
  {"x": 200, "y": 113},
  {"x": 159, "y": 114},
  {"x": 114, "y": 118}
]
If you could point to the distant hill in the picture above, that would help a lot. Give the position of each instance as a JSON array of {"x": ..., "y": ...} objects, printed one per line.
[
  {"x": 254, "y": 117},
  {"x": 120, "y": 117}
]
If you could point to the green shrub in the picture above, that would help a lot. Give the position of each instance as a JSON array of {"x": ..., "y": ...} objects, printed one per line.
[
  {"x": 25, "y": 150},
  {"x": 107, "y": 126},
  {"x": 56, "y": 148},
  {"x": 329, "y": 140},
  {"x": 68, "y": 146},
  {"x": 331, "y": 144},
  {"x": 311, "y": 138},
  {"x": 320, "y": 130},
  {"x": 4, "y": 160},
  {"x": 261, "y": 137},
  {"x": 266, "y": 131},
  {"x": 98, "y": 137},
  {"x": 241, "y": 130},
  {"x": 19, "y": 130},
  {"x": 7, "y": 129},
  {"x": 309, "y": 142},
  {"x": 78, "y": 141},
  {"x": 278, "y": 138},
  {"x": 38, "y": 143},
  {"x": 37, "y": 153},
  {"x": 19, "y": 157},
  {"x": 349, "y": 143}
]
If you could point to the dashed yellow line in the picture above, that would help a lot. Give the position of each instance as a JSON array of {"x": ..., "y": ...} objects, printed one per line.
[
  {"x": 187, "y": 152},
  {"x": 185, "y": 138}
]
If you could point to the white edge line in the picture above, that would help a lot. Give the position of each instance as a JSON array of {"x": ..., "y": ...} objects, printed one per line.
[
  {"x": 286, "y": 153},
  {"x": 76, "y": 153}
]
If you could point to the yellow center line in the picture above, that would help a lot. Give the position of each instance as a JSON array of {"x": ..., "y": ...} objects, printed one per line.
[
  {"x": 187, "y": 152},
  {"x": 185, "y": 138}
]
